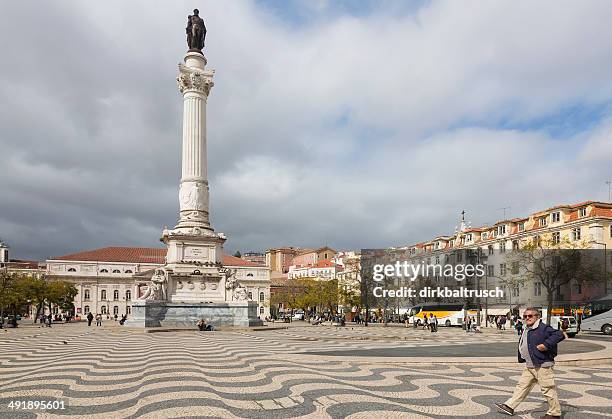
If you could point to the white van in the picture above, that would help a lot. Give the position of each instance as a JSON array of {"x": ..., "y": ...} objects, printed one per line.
[{"x": 572, "y": 330}]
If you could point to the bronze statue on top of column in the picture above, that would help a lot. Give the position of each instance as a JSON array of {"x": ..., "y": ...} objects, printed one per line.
[{"x": 196, "y": 32}]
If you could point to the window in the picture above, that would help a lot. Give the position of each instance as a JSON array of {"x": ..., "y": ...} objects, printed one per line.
[
  {"x": 103, "y": 271},
  {"x": 116, "y": 310},
  {"x": 86, "y": 295},
  {"x": 556, "y": 217},
  {"x": 515, "y": 291},
  {"x": 115, "y": 295},
  {"x": 491, "y": 251},
  {"x": 537, "y": 289},
  {"x": 490, "y": 270},
  {"x": 437, "y": 260},
  {"x": 86, "y": 309},
  {"x": 103, "y": 295},
  {"x": 116, "y": 271},
  {"x": 515, "y": 268},
  {"x": 129, "y": 271},
  {"x": 262, "y": 297},
  {"x": 250, "y": 295},
  {"x": 261, "y": 310},
  {"x": 502, "y": 247},
  {"x": 576, "y": 234},
  {"x": 71, "y": 270},
  {"x": 502, "y": 269},
  {"x": 468, "y": 237},
  {"x": 582, "y": 212},
  {"x": 501, "y": 229},
  {"x": 521, "y": 227},
  {"x": 128, "y": 295},
  {"x": 543, "y": 221},
  {"x": 483, "y": 236},
  {"x": 103, "y": 310},
  {"x": 577, "y": 288},
  {"x": 515, "y": 245},
  {"x": 128, "y": 310},
  {"x": 556, "y": 237},
  {"x": 459, "y": 257}
]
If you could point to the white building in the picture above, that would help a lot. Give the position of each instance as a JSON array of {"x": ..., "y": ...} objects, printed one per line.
[{"x": 109, "y": 279}]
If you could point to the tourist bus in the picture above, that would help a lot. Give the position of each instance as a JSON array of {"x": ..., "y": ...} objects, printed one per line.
[
  {"x": 447, "y": 314},
  {"x": 597, "y": 316}
]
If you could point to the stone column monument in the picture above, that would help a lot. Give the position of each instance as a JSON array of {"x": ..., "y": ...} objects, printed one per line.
[{"x": 194, "y": 284}]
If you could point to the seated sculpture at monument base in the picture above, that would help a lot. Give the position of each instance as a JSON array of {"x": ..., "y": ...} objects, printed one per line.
[{"x": 150, "y": 314}]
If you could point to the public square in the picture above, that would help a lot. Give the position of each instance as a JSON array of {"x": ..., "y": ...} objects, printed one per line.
[{"x": 289, "y": 371}]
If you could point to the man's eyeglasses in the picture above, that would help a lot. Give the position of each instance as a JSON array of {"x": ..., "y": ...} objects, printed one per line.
[{"x": 528, "y": 316}]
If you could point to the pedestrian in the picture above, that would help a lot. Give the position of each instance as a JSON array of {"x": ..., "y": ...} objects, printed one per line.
[
  {"x": 564, "y": 327},
  {"x": 90, "y": 318},
  {"x": 519, "y": 327},
  {"x": 502, "y": 323},
  {"x": 123, "y": 319},
  {"x": 468, "y": 325},
  {"x": 425, "y": 322},
  {"x": 98, "y": 319},
  {"x": 49, "y": 320},
  {"x": 537, "y": 348}
]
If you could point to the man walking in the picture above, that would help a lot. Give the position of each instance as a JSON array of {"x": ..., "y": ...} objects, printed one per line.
[
  {"x": 89, "y": 318},
  {"x": 537, "y": 349},
  {"x": 98, "y": 319}
]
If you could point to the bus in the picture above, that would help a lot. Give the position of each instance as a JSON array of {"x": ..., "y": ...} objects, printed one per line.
[
  {"x": 597, "y": 316},
  {"x": 447, "y": 314}
]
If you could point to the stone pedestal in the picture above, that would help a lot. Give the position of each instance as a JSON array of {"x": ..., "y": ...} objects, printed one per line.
[
  {"x": 185, "y": 315},
  {"x": 193, "y": 284}
]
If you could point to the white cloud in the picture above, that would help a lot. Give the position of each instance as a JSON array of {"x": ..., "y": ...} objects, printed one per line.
[{"x": 340, "y": 130}]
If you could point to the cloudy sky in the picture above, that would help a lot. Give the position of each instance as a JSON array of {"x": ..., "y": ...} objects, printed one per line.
[{"x": 347, "y": 123}]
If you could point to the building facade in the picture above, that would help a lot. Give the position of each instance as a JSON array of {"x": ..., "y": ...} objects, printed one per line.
[{"x": 108, "y": 280}]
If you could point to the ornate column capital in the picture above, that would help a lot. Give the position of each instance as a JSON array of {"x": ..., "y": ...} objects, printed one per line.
[{"x": 190, "y": 79}]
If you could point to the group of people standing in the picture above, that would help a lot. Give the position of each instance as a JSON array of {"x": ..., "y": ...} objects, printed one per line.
[{"x": 98, "y": 318}]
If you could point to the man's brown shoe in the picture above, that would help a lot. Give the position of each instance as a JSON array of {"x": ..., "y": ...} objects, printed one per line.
[{"x": 504, "y": 409}]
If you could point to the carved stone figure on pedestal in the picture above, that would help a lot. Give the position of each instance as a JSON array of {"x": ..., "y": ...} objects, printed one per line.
[
  {"x": 196, "y": 31},
  {"x": 157, "y": 288}
]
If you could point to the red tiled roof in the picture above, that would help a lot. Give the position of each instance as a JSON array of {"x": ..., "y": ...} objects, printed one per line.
[
  {"x": 24, "y": 264},
  {"x": 138, "y": 255}
]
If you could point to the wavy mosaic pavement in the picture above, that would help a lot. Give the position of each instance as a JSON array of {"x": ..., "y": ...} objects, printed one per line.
[{"x": 115, "y": 373}]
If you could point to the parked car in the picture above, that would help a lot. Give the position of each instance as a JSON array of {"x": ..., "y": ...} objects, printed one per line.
[
  {"x": 298, "y": 316},
  {"x": 555, "y": 321}
]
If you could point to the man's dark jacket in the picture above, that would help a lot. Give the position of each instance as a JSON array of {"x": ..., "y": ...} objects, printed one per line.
[{"x": 542, "y": 334}]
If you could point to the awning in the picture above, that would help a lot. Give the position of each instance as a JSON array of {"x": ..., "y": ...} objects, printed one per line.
[{"x": 496, "y": 311}]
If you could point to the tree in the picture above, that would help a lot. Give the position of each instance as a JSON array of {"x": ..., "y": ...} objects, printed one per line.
[
  {"x": 238, "y": 254},
  {"x": 552, "y": 262}
]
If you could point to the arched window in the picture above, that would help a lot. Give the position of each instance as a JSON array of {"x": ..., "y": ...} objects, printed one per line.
[
  {"x": 103, "y": 295},
  {"x": 261, "y": 297},
  {"x": 115, "y": 295},
  {"x": 250, "y": 295},
  {"x": 116, "y": 310},
  {"x": 86, "y": 295},
  {"x": 103, "y": 310},
  {"x": 128, "y": 295},
  {"x": 103, "y": 271},
  {"x": 71, "y": 270},
  {"x": 128, "y": 310},
  {"x": 116, "y": 271},
  {"x": 128, "y": 271},
  {"x": 261, "y": 310},
  {"x": 86, "y": 309}
]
